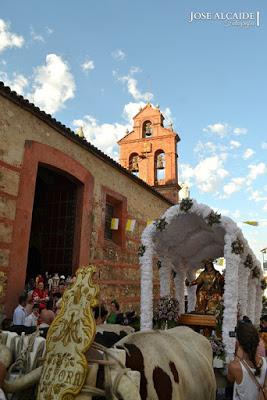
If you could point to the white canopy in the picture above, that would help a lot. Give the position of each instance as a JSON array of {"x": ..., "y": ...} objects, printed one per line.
[{"x": 181, "y": 239}]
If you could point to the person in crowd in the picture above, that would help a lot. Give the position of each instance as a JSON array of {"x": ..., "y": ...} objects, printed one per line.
[
  {"x": 39, "y": 294},
  {"x": 261, "y": 346},
  {"x": 29, "y": 304},
  {"x": 20, "y": 313},
  {"x": 47, "y": 316},
  {"x": 32, "y": 319},
  {"x": 115, "y": 317},
  {"x": 100, "y": 314},
  {"x": 263, "y": 330},
  {"x": 248, "y": 370},
  {"x": 61, "y": 287},
  {"x": 6, "y": 324}
]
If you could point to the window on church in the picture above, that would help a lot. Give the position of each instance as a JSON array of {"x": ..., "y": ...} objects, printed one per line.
[
  {"x": 147, "y": 129},
  {"x": 108, "y": 218},
  {"x": 159, "y": 166},
  {"x": 114, "y": 217},
  {"x": 133, "y": 164}
]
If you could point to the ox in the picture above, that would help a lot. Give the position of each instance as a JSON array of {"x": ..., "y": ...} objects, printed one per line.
[{"x": 174, "y": 365}]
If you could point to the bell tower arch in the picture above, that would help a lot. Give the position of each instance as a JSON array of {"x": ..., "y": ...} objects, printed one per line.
[{"x": 150, "y": 151}]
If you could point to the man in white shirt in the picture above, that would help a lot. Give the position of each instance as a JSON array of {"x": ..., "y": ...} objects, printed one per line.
[
  {"x": 32, "y": 319},
  {"x": 19, "y": 313}
]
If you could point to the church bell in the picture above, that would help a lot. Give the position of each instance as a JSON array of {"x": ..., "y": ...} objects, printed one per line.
[{"x": 160, "y": 162}]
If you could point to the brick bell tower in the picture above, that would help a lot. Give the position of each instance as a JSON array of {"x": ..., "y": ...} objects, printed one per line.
[{"x": 149, "y": 151}]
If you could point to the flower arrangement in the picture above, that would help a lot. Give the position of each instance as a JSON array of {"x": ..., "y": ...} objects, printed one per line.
[
  {"x": 213, "y": 218},
  {"x": 141, "y": 250},
  {"x": 248, "y": 263},
  {"x": 237, "y": 246},
  {"x": 186, "y": 204},
  {"x": 160, "y": 224},
  {"x": 218, "y": 348},
  {"x": 166, "y": 313},
  {"x": 219, "y": 317}
]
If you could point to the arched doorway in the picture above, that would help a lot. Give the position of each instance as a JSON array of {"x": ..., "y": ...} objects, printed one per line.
[
  {"x": 54, "y": 214},
  {"x": 42, "y": 164}
]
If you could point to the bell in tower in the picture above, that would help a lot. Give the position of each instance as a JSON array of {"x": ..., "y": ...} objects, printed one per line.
[
  {"x": 160, "y": 161},
  {"x": 134, "y": 166},
  {"x": 147, "y": 129}
]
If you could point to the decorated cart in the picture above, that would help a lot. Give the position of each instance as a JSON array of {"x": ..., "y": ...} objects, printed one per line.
[{"x": 186, "y": 234}]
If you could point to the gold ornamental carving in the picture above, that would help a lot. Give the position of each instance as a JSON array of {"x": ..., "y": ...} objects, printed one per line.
[{"x": 69, "y": 337}]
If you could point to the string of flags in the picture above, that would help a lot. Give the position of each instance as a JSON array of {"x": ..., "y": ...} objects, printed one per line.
[{"x": 130, "y": 224}]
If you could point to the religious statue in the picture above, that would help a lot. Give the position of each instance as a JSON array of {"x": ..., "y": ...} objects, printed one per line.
[{"x": 210, "y": 285}]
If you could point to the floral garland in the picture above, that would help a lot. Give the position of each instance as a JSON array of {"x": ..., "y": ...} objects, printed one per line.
[
  {"x": 237, "y": 246},
  {"x": 141, "y": 250},
  {"x": 256, "y": 273},
  {"x": 186, "y": 204},
  {"x": 213, "y": 218},
  {"x": 160, "y": 224},
  {"x": 248, "y": 263}
]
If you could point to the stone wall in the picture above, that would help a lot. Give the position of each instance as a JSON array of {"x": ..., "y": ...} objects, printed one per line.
[{"x": 118, "y": 268}]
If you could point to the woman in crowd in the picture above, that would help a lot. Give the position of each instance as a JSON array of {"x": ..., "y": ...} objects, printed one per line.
[
  {"x": 248, "y": 370},
  {"x": 113, "y": 317},
  {"x": 40, "y": 294}
]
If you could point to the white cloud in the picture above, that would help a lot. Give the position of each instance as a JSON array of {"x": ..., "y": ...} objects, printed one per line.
[
  {"x": 248, "y": 153},
  {"x": 18, "y": 82},
  {"x": 233, "y": 186},
  {"x": 132, "y": 83},
  {"x": 7, "y": 38},
  {"x": 131, "y": 109},
  {"x": 240, "y": 131},
  {"x": 236, "y": 214},
  {"x": 207, "y": 175},
  {"x": 265, "y": 207},
  {"x": 118, "y": 55},
  {"x": 256, "y": 170},
  {"x": 88, "y": 65},
  {"x": 234, "y": 144},
  {"x": 264, "y": 145},
  {"x": 49, "y": 30},
  {"x": 257, "y": 196},
  {"x": 218, "y": 128},
  {"x": 35, "y": 36},
  {"x": 53, "y": 84},
  {"x": 224, "y": 129},
  {"x": 103, "y": 136}
]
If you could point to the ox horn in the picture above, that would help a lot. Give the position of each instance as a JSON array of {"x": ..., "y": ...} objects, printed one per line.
[{"x": 23, "y": 382}]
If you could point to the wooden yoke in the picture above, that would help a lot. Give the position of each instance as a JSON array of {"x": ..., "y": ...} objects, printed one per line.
[{"x": 69, "y": 338}]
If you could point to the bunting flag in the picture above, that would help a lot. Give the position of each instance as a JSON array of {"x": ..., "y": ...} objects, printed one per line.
[
  {"x": 220, "y": 261},
  {"x": 261, "y": 222},
  {"x": 114, "y": 225},
  {"x": 130, "y": 225},
  {"x": 149, "y": 222},
  {"x": 253, "y": 223}
]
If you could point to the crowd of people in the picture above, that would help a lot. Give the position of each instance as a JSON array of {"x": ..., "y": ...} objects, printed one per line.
[{"x": 41, "y": 302}]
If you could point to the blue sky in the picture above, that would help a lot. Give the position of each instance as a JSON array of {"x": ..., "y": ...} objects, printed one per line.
[{"x": 92, "y": 64}]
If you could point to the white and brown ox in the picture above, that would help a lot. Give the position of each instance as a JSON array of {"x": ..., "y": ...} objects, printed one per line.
[{"x": 174, "y": 365}]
